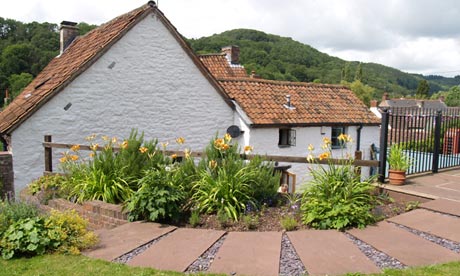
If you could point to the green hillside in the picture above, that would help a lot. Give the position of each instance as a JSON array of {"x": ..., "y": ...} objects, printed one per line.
[
  {"x": 282, "y": 58},
  {"x": 25, "y": 48}
]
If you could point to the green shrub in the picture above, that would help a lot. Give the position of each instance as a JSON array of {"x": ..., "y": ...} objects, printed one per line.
[
  {"x": 61, "y": 232},
  {"x": 67, "y": 232},
  {"x": 223, "y": 218},
  {"x": 229, "y": 190},
  {"x": 194, "y": 219},
  {"x": 251, "y": 221},
  {"x": 159, "y": 197},
  {"x": 229, "y": 183},
  {"x": 336, "y": 197},
  {"x": 48, "y": 187},
  {"x": 11, "y": 212},
  {"x": 111, "y": 176},
  {"x": 26, "y": 237},
  {"x": 289, "y": 223}
]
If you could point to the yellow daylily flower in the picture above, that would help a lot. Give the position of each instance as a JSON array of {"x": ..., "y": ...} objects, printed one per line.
[
  {"x": 180, "y": 140},
  {"x": 124, "y": 145},
  {"x": 94, "y": 147},
  {"x": 227, "y": 137},
  {"x": 248, "y": 149},
  {"x": 75, "y": 148},
  {"x": 143, "y": 149},
  {"x": 324, "y": 155},
  {"x": 311, "y": 147}
]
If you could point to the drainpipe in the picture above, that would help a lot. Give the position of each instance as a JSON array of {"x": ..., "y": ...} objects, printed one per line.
[{"x": 358, "y": 139}]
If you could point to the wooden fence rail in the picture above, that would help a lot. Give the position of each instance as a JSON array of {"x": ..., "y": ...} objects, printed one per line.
[{"x": 48, "y": 145}]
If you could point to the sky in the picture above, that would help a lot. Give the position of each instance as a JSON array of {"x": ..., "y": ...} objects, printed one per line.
[{"x": 416, "y": 36}]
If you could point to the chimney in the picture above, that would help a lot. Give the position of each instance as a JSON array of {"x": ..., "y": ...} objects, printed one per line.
[
  {"x": 7, "y": 97},
  {"x": 254, "y": 75},
  {"x": 69, "y": 31},
  {"x": 233, "y": 53},
  {"x": 373, "y": 103},
  {"x": 441, "y": 99},
  {"x": 385, "y": 97}
]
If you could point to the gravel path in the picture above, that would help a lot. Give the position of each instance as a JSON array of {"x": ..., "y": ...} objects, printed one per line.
[
  {"x": 204, "y": 261},
  {"x": 380, "y": 259},
  {"x": 290, "y": 263}
]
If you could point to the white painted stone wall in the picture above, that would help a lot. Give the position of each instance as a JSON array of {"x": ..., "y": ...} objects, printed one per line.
[
  {"x": 265, "y": 141},
  {"x": 154, "y": 87}
]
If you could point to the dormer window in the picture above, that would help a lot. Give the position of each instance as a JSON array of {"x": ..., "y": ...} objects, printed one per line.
[{"x": 286, "y": 137}]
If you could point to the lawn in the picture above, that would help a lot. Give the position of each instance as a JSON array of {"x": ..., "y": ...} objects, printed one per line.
[{"x": 82, "y": 266}]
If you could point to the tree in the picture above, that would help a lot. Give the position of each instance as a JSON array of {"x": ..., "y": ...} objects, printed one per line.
[
  {"x": 359, "y": 72},
  {"x": 422, "y": 89},
  {"x": 18, "y": 82},
  {"x": 453, "y": 96},
  {"x": 363, "y": 91}
]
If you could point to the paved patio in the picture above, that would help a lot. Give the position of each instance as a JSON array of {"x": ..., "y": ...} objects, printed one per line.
[{"x": 321, "y": 252}]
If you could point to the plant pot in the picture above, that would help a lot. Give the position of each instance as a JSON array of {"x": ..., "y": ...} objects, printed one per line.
[{"x": 397, "y": 177}]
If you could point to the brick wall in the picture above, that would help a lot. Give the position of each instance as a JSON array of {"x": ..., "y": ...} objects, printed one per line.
[
  {"x": 6, "y": 175},
  {"x": 100, "y": 215}
]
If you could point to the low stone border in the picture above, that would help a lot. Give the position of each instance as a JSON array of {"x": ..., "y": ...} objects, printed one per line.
[{"x": 100, "y": 215}]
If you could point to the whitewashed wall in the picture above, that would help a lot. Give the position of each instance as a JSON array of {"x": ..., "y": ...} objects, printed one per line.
[
  {"x": 154, "y": 87},
  {"x": 265, "y": 141}
]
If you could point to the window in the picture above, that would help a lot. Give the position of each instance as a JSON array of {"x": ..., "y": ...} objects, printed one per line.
[
  {"x": 335, "y": 133},
  {"x": 286, "y": 137}
]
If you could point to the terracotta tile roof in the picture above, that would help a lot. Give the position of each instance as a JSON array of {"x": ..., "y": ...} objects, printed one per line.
[
  {"x": 83, "y": 52},
  {"x": 219, "y": 66},
  {"x": 315, "y": 104}
]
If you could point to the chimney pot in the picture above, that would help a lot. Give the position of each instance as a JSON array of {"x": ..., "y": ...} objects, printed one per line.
[
  {"x": 68, "y": 32},
  {"x": 233, "y": 53},
  {"x": 385, "y": 96},
  {"x": 373, "y": 103}
]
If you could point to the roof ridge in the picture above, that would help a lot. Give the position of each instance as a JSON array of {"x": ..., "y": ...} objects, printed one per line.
[
  {"x": 279, "y": 82},
  {"x": 211, "y": 54}
]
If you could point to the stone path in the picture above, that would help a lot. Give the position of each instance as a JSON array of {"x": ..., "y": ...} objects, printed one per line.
[
  {"x": 329, "y": 252},
  {"x": 178, "y": 250},
  {"x": 432, "y": 223},
  {"x": 249, "y": 253},
  {"x": 118, "y": 241},
  {"x": 443, "y": 206},
  {"x": 406, "y": 247},
  {"x": 258, "y": 253}
]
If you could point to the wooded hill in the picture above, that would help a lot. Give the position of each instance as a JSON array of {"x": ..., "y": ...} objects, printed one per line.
[
  {"x": 26, "y": 48},
  {"x": 281, "y": 58}
]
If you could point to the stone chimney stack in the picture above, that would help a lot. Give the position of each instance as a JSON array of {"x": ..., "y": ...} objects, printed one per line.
[
  {"x": 373, "y": 103},
  {"x": 233, "y": 53},
  {"x": 69, "y": 31},
  {"x": 385, "y": 97}
]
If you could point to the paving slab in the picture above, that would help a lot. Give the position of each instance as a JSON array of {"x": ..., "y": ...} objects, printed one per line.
[
  {"x": 329, "y": 252},
  {"x": 406, "y": 247},
  {"x": 443, "y": 206},
  {"x": 433, "y": 223},
  {"x": 178, "y": 250},
  {"x": 118, "y": 241},
  {"x": 249, "y": 253}
]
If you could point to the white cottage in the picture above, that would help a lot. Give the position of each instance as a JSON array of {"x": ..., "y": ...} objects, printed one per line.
[
  {"x": 283, "y": 118},
  {"x": 136, "y": 71}
]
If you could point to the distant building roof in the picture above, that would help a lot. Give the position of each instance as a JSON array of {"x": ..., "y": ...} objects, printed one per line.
[{"x": 221, "y": 67}]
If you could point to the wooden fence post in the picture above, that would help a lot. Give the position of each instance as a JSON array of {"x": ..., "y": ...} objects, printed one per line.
[
  {"x": 358, "y": 156},
  {"x": 48, "y": 155}
]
